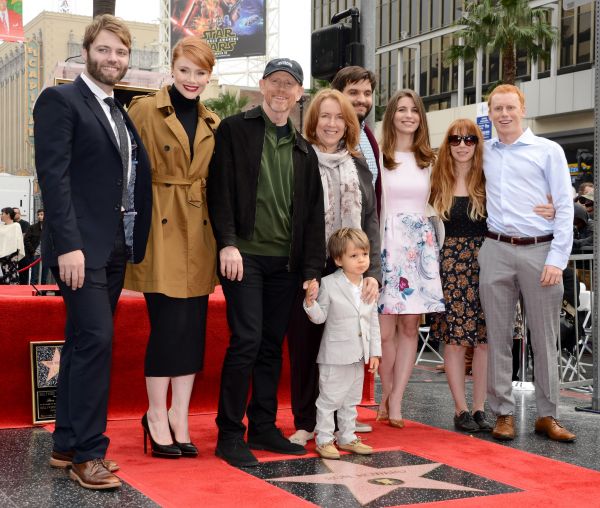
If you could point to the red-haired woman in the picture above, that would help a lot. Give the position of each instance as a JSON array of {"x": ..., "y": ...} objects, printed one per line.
[
  {"x": 179, "y": 269},
  {"x": 409, "y": 247},
  {"x": 458, "y": 196}
]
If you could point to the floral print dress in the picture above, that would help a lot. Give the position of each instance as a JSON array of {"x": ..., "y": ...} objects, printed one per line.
[{"x": 409, "y": 248}]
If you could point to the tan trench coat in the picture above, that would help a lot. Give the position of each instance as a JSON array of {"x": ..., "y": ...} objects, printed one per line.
[{"x": 180, "y": 256}]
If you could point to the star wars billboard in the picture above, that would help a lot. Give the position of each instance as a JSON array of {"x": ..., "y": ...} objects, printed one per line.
[{"x": 232, "y": 28}]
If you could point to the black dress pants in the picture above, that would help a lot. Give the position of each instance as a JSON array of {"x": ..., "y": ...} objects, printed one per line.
[
  {"x": 304, "y": 340},
  {"x": 84, "y": 376},
  {"x": 258, "y": 311}
]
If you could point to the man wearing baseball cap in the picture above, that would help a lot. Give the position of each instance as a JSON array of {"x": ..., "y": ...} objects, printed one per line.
[{"x": 266, "y": 208}]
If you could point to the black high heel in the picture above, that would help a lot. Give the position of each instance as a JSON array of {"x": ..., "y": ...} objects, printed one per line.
[
  {"x": 170, "y": 451},
  {"x": 187, "y": 449}
]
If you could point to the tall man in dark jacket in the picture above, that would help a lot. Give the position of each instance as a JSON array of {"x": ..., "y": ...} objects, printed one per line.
[
  {"x": 96, "y": 185},
  {"x": 265, "y": 201}
]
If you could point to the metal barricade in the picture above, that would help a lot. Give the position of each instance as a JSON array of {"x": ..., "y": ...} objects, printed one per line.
[{"x": 576, "y": 359}]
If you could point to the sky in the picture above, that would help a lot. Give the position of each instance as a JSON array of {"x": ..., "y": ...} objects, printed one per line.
[{"x": 294, "y": 21}]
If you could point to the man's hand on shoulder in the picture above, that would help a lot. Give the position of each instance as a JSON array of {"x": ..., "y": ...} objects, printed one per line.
[
  {"x": 71, "y": 268},
  {"x": 551, "y": 275},
  {"x": 232, "y": 265}
]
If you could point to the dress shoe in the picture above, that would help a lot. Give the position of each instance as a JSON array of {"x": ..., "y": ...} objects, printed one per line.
[
  {"x": 549, "y": 425},
  {"x": 356, "y": 446},
  {"x": 398, "y": 424},
  {"x": 481, "y": 420},
  {"x": 273, "y": 441},
  {"x": 235, "y": 452},
  {"x": 328, "y": 451},
  {"x": 170, "y": 451},
  {"x": 362, "y": 427},
  {"x": 382, "y": 412},
  {"x": 465, "y": 422},
  {"x": 187, "y": 449},
  {"x": 94, "y": 475},
  {"x": 505, "y": 428},
  {"x": 64, "y": 460},
  {"x": 301, "y": 437}
]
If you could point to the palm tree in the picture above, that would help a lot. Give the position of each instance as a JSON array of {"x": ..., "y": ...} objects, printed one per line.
[
  {"x": 104, "y": 7},
  {"x": 503, "y": 26},
  {"x": 227, "y": 104}
]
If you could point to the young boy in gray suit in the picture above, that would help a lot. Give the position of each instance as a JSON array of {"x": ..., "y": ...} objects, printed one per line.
[{"x": 351, "y": 337}]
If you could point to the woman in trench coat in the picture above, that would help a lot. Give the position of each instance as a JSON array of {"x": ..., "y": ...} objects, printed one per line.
[{"x": 179, "y": 269}]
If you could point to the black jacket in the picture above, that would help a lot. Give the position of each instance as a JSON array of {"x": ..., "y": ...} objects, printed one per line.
[
  {"x": 32, "y": 239},
  {"x": 81, "y": 175},
  {"x": 232, "y": 189}
]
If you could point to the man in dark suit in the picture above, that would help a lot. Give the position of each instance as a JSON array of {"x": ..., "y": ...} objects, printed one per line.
[{"x": 96, "y": 185}]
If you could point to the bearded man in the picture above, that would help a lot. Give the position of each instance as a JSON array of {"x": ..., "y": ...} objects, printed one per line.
[{"x": 96, "y": 185}]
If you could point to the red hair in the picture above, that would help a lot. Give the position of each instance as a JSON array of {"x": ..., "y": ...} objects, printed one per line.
[{"x": 443, "y": 177}]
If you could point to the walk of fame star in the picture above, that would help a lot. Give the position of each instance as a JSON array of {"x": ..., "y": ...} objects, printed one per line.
[
  {"x": 389, "y": 478},
  {"x": 359, "y": 479},
  {"x": 52, "y": 365}
]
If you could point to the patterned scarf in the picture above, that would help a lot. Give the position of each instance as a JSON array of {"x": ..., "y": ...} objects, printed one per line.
[{"x": 341, "y": 191}]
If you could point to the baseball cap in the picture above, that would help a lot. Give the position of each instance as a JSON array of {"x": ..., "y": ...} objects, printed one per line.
[{"x": 286, "y": 65}]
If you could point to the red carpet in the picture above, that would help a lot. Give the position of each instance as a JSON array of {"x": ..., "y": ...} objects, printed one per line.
[
  {"x": 209, "y": 481},
  {"x": 26, "y": 318}
]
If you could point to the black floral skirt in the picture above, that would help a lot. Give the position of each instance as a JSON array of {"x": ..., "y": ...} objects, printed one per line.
[
  {"x": 9, "y": 274},
  {"x": 463, "y": 323}
]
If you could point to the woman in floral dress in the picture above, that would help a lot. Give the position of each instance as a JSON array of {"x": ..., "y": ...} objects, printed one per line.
[{"x": 409, "y": 247}]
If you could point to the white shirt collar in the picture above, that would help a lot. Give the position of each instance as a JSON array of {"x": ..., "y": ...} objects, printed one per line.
[
  {"x": 527, "y": 138},
  {"x": 96, "y": 90}
]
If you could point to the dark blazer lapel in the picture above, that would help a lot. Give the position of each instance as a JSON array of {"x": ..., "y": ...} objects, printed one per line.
[{"x": 92, "y": 102}]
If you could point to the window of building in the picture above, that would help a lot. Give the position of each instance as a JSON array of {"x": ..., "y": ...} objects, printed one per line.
[
  {"x": 448, "y": 16},
  {"x": 436, "y": 14},
  {"x": 436, "y": 54},
  {"x": 426, "y": 63},
  {"x": 584, "y": 34},
  {"x": 404, "y": 17},
  {"x": 385, "y": 22},
  {"x": 446, "y": 75},
  {"x": 567, "y": 32},
  {"x": 395, "y": 20},
  {"x": 414, "y": 18},
  {"x": 394, "y": 71},
  {"x": 425, "y": 21}
]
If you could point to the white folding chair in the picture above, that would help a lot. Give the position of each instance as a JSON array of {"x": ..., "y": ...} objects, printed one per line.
[{"x": 424, "y": 336}]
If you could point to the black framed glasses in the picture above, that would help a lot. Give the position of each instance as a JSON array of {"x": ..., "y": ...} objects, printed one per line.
[{"x": 469, "y": 140}]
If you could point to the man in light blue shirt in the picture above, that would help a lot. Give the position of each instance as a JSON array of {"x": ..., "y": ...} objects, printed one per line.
[{"x": 524, "y": 253}]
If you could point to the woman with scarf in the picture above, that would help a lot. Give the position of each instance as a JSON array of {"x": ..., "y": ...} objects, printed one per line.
[{"x": 331, "y": 126}]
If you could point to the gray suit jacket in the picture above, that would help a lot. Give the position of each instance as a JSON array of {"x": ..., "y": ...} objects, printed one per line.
[{"x": 351, "y": 332}]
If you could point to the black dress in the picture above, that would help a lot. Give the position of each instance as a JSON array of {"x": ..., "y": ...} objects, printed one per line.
[{"x": 463, "y": 323}]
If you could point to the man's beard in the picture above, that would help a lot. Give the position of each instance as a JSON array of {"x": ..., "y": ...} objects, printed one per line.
[
  {"x": 361, "y": 118},
  {"x": 93, "y": 68}
]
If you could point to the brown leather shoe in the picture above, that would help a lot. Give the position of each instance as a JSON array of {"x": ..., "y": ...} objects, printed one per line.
[
  {"x": 554, "y": 430},
  {"x": 94, "y": 475},
  {"x": 64, "y": 460},
  {"x": 504, "y": 430}
]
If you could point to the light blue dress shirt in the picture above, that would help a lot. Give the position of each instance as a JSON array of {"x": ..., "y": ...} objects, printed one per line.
[
  {"x": 365, "y": 147},
  {"x": 519, "y": 177}
]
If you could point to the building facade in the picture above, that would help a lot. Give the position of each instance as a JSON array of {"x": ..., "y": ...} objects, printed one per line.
[
  {"x": 412, "y": 37},
  {"x": 51, "y": 50}
]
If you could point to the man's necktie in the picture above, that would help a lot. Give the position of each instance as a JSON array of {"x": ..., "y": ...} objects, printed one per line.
[{"x": 123, "y": 146}]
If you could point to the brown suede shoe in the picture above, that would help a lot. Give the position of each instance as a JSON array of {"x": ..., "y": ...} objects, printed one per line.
[
  {"x": 94, "y": 475},
  {"x": 504, "y": 429},
  {"x": 554, "y": 430},
  {"x": 63, "y": 460}
]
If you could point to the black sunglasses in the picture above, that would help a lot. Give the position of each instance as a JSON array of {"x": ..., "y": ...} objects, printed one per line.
[{"x": 469, "y": 140}]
